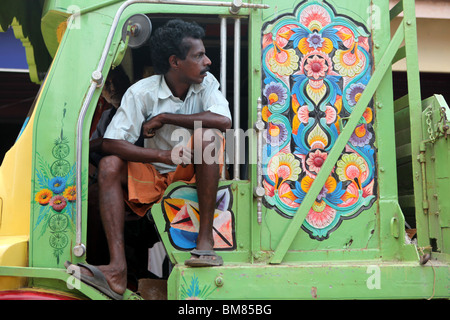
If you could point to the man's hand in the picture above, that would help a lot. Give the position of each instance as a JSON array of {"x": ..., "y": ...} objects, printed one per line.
[
  {"x": 181, "y": 155},
  {"x": 149, "y": 128},
  {"x": 207, "y": 119}
]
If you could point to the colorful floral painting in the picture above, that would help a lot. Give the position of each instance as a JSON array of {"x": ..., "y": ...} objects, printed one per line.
[
  {"x": 180, "y": 209},
  {"x": 316, "y": 65},
  {"x": 55, "y": 196},
  {"x": 193, "y": 290}
]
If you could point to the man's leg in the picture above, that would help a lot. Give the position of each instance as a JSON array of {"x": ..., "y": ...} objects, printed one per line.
[
  {"x": 97, "y": 253},
  {"x": 111, "y": 179},
  {"x": 207, "y": 174}
]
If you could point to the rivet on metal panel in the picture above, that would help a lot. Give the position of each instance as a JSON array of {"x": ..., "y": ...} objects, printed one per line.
[
  {"x": 236, "y": 6},
  {"x": 97, "y": 77},
  {"x": 79, "y": 250},
  {"x": 219, "y": 281}
]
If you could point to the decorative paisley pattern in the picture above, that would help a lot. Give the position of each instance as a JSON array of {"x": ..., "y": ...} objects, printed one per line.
[{"x": 316, "y": 65}]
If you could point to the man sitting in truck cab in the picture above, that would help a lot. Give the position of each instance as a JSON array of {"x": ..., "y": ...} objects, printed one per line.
[{"x": 182, "y": 92}]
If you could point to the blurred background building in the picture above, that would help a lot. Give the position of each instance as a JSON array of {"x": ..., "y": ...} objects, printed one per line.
[{"x": 433, "y": 36}]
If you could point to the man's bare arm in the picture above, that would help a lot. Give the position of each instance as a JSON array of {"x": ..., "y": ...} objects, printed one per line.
[
  {"x": 95, "y": 145},
  {"x": 208, "y": 120},
  {"x": 129, "y": 152}
]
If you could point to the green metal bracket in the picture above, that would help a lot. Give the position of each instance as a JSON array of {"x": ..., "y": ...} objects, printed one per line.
[
  {"x": 122, "y": 49},
  {"x": 342, "y": 140}
]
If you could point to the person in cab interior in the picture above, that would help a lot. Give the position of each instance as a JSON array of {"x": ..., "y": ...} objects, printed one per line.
[{"x": 180, "y": 93}]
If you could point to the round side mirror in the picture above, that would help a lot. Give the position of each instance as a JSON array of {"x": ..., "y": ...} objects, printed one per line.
[{"x": 138, "y": 27}]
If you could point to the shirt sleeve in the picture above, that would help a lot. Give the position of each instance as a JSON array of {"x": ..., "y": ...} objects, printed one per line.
[
  {"x": 214, "y": 100},
  {"x": 128, "y": 120}
]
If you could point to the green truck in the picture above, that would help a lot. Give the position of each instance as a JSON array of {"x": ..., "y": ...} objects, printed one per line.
[{"x": 333, "y": 189}]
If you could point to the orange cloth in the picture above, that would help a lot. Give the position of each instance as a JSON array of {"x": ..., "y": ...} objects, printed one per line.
[{"x": 146, "y": 186}]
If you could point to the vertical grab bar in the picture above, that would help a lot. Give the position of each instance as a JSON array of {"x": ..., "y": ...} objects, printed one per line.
[
  {"x": 223, "y": 55},
  {"x": 237, "y": 85},
  {"x": 259, "y": 191},
  {"x": 223, "y": 72}
]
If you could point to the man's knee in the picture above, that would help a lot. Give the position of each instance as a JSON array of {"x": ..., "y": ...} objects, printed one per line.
[
  {"x": 111, "y": 167},
  {"x": 208, "y": 146}
]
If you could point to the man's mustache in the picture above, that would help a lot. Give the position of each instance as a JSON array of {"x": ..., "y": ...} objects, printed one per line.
[{"x": 205, "y": 70}]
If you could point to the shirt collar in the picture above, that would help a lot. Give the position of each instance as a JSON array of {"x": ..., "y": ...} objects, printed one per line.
[{"x": 164, "y": 91}]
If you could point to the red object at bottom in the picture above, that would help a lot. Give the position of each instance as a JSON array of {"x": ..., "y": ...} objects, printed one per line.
[{"x": 33, "y": 295}]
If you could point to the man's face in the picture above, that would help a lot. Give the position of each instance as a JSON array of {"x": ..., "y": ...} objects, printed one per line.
[
  {"x": 193, "y": 69},
  {"x": 109, "y": 93}
]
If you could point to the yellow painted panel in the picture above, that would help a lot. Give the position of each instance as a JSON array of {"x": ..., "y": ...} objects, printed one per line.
[
  {"x": 15, "y": 186},
  {"x": 13, "y": 252}
]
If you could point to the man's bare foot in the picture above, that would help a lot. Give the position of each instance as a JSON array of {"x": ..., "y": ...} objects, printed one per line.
[{"x": 116, "y": 277}]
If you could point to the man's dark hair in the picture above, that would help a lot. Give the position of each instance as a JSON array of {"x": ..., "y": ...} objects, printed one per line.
[
  {"x": 168, "y": 40},
  {"x": 120, "y": 80}
]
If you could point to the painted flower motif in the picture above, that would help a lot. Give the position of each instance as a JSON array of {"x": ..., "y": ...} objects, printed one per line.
[
  {"x": 286, "y": 195},
  {"x": 349, "y": 63},
  {"x": 283, "y": 62},
  {"x": 315, "y": 67},
  {"x": 70, "y": 193},
  {"x": 346, "y": 35},
  {"x": 311, "y": 43},
  {"x": 57, "y": 185},
  {"x": 303, "y": 114},
  {"x": 284, "y": 34},
  {"x": 316, "y": 90},
  {"x": 331, "y": 191},
  {"x": 320, "y": 216},
  {"x": 276, "y": 134},
  {"x": 321, "y": 35},
  {"x": 315, "y": 40},
  {"x": 285, "y": 167},
  {"x": 43, "y": 196},
  {"x": 266, "y": 114},
  {"x": 315, "y": 160},
  {"x": 354, "y": 93},
  {"x": 330, "y": 115},
  {"x": 193, "y": 290},
  {"x": 58, "y": 203},
  {"x": 317, "y": 138},
  {"x": 315, "y": 17},
  {"x": 368, "y": 115},
  {"x": 361, "y": 136},
  {"x": 350, "y": 167},
  {"x": 329, "y": 186},
  {"x": 275, "y": 93}
]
